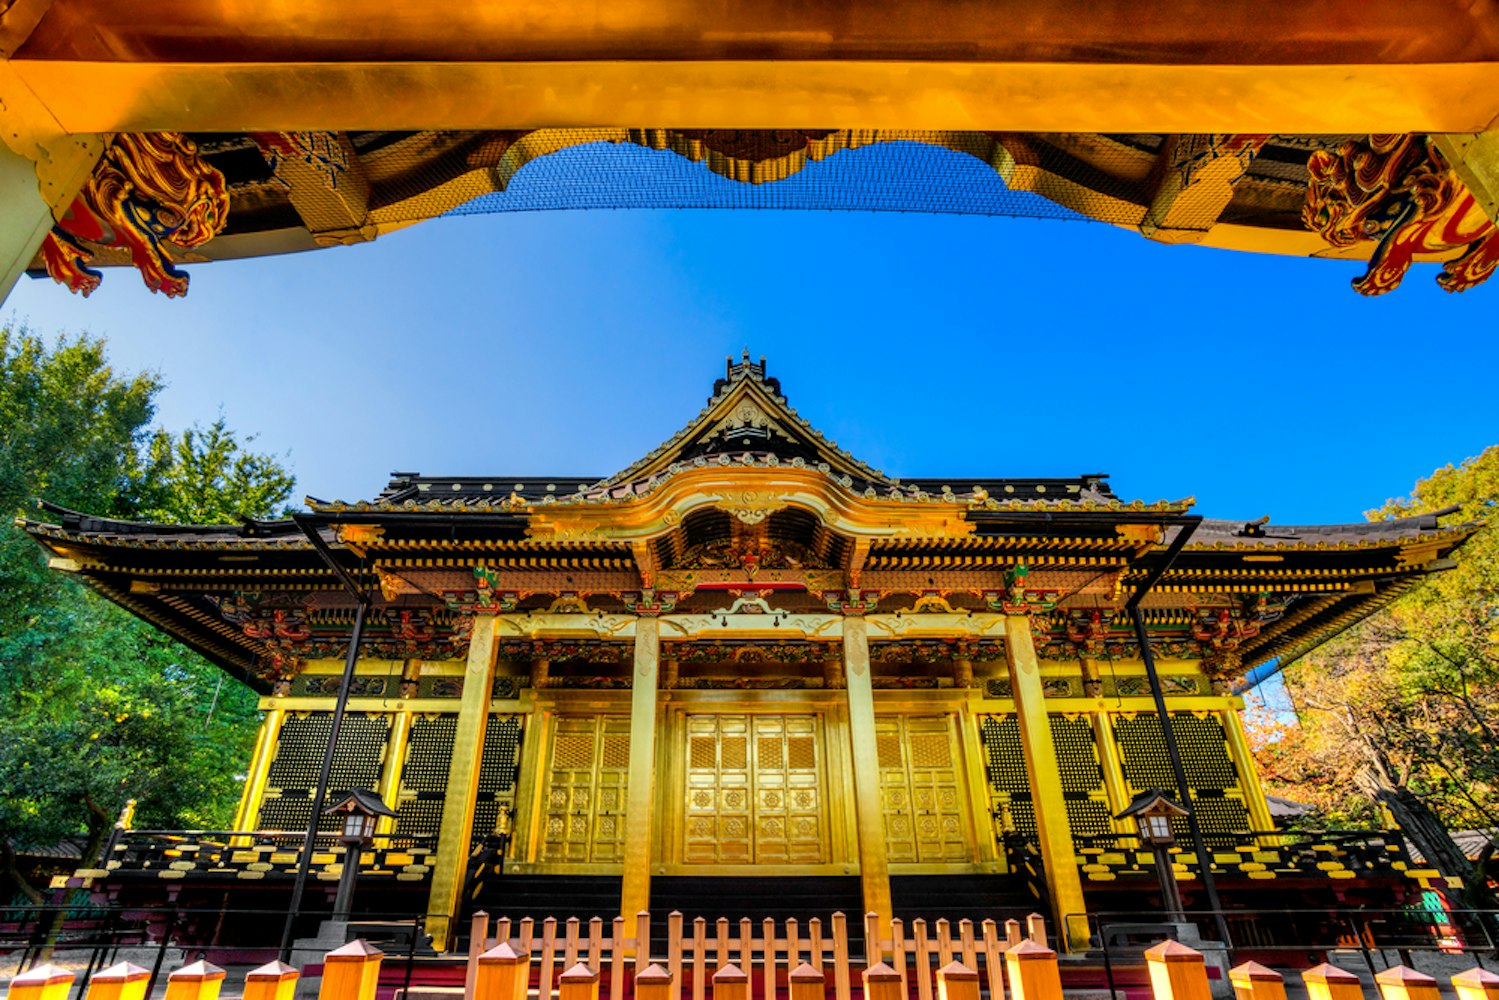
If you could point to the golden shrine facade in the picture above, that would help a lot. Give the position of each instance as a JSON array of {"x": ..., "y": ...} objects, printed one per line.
[{"x": 750, "y": 666}]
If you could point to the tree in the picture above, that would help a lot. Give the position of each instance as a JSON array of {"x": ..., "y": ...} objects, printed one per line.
[
  {"x": 1400, "y": 713},
  {"x": 100, "y": 707}
]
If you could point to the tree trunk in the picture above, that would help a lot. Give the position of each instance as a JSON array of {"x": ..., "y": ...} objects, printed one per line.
[
  {"x": 8, "y": 863},
  {"x": 1422, "y": 828}
]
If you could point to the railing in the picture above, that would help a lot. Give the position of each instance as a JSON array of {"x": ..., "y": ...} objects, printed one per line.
[
  {"x": 89, "y": 938},
  {"x": 1259, "y": 855},
  {"x": 254, "y": 854},
  {"x": 1300, "y": 935}
]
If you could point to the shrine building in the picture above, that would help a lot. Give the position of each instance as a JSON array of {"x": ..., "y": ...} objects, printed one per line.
[{"x": 750, "y": 675}]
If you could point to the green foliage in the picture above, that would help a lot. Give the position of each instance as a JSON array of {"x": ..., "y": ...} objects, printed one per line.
[
  {"x": 1409, "y": 699},
  {"x": 100, "y": 707}
]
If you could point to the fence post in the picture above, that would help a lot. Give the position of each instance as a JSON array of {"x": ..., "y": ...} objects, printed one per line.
[
  {"x": 956, "y": 981},
  {"x": 1032, "y": 971},
  {"x": 1400, "y": 982},
  {"x": 122, "y": 982},
  {"x": 42, "y": 982},
  {"x": 881, "y": 982},
  {"x": 503, "y": 974},
  {"x": 1177, "y": 972},
  {"x": 478, "y": 943},
  {"x": 653, "y": 984},
  {"x": 1328, "y": 982},
  {"x": 729, "y": 983},
  {"x": 198, "y": 981},
  {"x": 351, "y": 972},
  {"x": 806, "y": 983},
  {"x": 1476, "y": 984},
  {"x": 1035, "y": 929},
  {"x": 1253, "y": 981},
  {"x": 272, "y": 981},
  {"x": 580, "y": 983}
]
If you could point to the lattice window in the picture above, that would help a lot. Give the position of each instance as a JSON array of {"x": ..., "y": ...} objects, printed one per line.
[
  {"x": 429, "y": 753},
  {"x": 1211, "y": 775},
  {"x": 419, "y": 818},
  {"x": 499, "y": 767},
  {"x": 300, "y": 746},
  {"x": 1077, "y": 765}
]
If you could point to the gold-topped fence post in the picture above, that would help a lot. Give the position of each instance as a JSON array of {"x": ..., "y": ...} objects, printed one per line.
[
  {"x": 272, "y": 981},
  {"x": 1328, "y": 982},
  {"x": 197, "y": 981},
  {"x": 1253, "y": 981},
  {"x": 503, "y": 974},
  {"x": 1401, "y": 982},
  {"x": 1033, "y": 973},
  {"x": 351, "y": 972},
  {"x": 128, "y": 982},
  {"x": 43, "y": 982}
]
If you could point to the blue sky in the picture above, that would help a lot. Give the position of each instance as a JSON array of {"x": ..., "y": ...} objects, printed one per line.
[{"x": 569, "y": 343}]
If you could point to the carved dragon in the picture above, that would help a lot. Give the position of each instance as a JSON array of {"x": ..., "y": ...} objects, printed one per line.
[
  {"x": 149, "y": 189},
  {"x": 1400, "y": 192}
]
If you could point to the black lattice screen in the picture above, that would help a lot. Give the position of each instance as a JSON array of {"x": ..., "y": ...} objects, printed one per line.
[
  {"x": 498, "y": 769},
  {"x": 424, "y": 775},
  {"x": 1211, "y": 775},
  {"x": 293, "y": 774},
  {"x": 1077, "y": 763}
]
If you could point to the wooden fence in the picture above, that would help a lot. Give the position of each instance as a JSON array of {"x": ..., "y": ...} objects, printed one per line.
[
  {"x": 503, "y": 972},
  {"x": 693, "y": 957}
]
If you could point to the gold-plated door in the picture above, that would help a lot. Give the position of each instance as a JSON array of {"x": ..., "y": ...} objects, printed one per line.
[
  {"x": 754, "y": 791},
  {"x": 588, "y": 767},
  {"x": 919, "y": 788}
]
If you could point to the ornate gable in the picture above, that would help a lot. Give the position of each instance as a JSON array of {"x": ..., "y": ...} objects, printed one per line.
[{"x": 747, "y": 415}]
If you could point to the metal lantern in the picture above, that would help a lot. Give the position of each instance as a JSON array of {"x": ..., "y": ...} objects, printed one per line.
[
  {"x": 1152, "y": 810},
  {"x": 361, "y": 810}
]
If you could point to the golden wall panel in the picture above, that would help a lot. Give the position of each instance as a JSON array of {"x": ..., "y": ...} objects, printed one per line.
[
  {"x": 583, "y": 803},
  {"x": 920, "y": 794},
  {"x": 754, "y": 791}
]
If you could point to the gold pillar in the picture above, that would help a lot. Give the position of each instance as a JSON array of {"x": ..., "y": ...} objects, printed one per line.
[
  {"x": 874, "y": 861},
  {"x": 1052, "y": 826},
  {"x": 1249, "y": 777},
  {"x": 463, "y": 785},
  {"x": 640, "y": 796},
  {"x": 395, "y": 763},
  {"x": 1112, "y": 766},
  {"x": 260, "y": 766}
]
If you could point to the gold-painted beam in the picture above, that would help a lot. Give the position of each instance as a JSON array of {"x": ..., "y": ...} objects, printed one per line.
[
  {"x": 874, "y": 861},
  {"x": 1053, "y": 829},
  {"x": 1475, "y": 158},
  {"x": 1249, "y": 775},
  {"x": 395, "y": 763},
  {"x": 463, "y": 785},
  {"x": 1320, "y": 98},
  {"x": 640, "y": 795}
]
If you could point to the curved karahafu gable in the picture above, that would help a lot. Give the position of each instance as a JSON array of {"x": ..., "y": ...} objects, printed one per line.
[{"x": 747, "y": 510}]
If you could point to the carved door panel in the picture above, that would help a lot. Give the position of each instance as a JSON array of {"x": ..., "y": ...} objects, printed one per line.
[
  {"x": 587, "y": 770},
  {"x": 754, "y": 791},
  {"x": 923, "y": 802}
]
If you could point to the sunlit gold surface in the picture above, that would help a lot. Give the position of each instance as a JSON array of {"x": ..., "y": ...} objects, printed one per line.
[{"x": 1036, "y": 97}]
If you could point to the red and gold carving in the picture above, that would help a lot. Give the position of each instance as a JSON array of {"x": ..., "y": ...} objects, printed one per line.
[
  {"x": 1398, "y": 191},
  {"x": 150, "y": 190}
]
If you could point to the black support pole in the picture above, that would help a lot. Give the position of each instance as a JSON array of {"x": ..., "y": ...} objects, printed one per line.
[
  {"x": 320, "y": 795},
  {"x": 1185, "y": 527}
]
